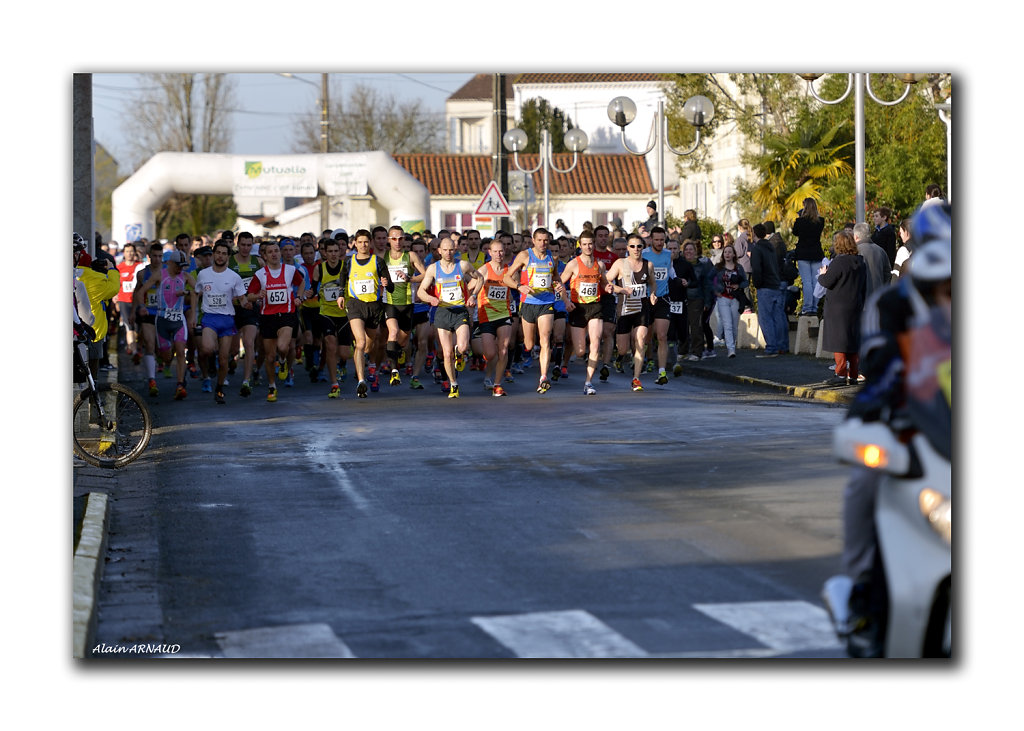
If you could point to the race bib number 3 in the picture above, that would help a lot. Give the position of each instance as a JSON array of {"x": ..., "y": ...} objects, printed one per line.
[{"x": 541, "y": 280}]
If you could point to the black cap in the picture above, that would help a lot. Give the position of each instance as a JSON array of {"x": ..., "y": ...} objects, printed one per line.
[
  {"x": 229, "y": 234},
  {"x": 204, "y": 251},
  {"x": 652, "y": 204}
]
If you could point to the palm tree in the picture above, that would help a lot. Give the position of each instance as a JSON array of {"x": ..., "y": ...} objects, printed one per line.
[{"x": 798, "y": 165}]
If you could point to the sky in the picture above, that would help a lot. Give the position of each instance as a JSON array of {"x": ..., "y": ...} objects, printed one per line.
[{"x": 269, "y": 104}]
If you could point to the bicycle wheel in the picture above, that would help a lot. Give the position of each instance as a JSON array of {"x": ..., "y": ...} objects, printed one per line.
[{"x": 125, "y": 429}]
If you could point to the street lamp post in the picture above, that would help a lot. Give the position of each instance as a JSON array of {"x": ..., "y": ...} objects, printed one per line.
[
  {"x": 859, "y": 83},
  {"x": 698, "y": 111},
  {"x": 944, "y": 111},
  {"x": 575, "y": 139},
  {"x": 325, "y": 125}
]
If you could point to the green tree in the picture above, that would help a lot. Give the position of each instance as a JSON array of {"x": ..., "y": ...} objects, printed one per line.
[
  {"x": 904, "y": 145},
  {"x": 538, "y": 114},
  {"x": 797, "y": 165}
]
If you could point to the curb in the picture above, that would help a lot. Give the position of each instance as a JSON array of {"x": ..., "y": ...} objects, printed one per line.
[
  {"x": 88, "y": 570},
  {"x": 805, "y": 392}
]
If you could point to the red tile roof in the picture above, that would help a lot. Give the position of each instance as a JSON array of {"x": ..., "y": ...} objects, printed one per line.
[
  {"x": 481, "y": 86},
  {"x": 468, "y": 175},
  {"x": 585, "y": 78}
]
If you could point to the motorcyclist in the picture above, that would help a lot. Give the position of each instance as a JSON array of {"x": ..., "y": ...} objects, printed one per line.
[{"x": 904, "y": 325}]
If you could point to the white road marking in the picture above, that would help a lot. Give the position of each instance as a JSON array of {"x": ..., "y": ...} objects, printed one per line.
[
  {"x": 285, "y": 641},
  {"x": 784, "y": 626},
  {"x": 319, "y": 452},
  {"x": 567, "y": 634}
]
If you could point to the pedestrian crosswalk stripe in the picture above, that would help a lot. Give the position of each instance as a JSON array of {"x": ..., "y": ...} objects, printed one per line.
[
  {"x": 284, "y": 641},
  {"x": 788, "y": 626},
  {"x": 566, "y": 634}
]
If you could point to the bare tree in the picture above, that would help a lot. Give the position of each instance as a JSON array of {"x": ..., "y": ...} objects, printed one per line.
[
  {"x": 183, "y": 113},
  {"x": 368, "y": 120}
]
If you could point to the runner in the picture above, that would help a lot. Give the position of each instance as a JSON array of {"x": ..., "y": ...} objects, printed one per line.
[
  {"x": 362, "y": 276},
  {"x": 333, "y": 320},
  {"x": 494, "y": 318},
  {"x": 423, "y": 329},
  {"x": 587, "y": 281},
  {"x": 539, "y": 293},
  {"x": 171, "y": 285},
  {"x": 559, "y": 248},
  {"x": 144, "y": 310},
  {"x": 203, "y": 257},
  {"x": 451, "y": 286},
  {"x": 309, "y": 312},
  {"x": 271, "y": 286},
  {"x": 661, "y": 262},
  {"x": 604, "y": 254},
  {"x": 635, "y": 277},
  {"x": 406, "y": 272},
  {"x": 127, "y": 269},
  {"x": 247, "y": 320},
  {"x": 220, "y": 289}
]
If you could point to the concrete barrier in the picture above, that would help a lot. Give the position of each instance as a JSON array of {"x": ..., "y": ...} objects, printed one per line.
[
  {"x": 806, "y": 337},
  {"x": 749, "y": 335}
]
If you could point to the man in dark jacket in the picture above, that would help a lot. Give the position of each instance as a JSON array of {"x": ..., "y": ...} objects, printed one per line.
[
  {"x": 771, "y": 314},
  {"x": 885, "y": 234},
  {"x": 652, "y": 216},
  {"x": 879, "y": 273},
  {"x": 691, "y": 229}
]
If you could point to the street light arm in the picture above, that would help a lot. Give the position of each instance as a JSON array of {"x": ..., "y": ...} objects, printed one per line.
[
  {"x": 515, "y": 159},
  {"x": 867, "y": 85},
  {"x": 849, "y": 88},
  {"x": 551, "y": 162},
  {"x": 677, "y": 152},
  {"x": 622, "y": 133}
]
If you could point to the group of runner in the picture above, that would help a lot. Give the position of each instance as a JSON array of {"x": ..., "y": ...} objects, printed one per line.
[{"x": 390, "y": 302}]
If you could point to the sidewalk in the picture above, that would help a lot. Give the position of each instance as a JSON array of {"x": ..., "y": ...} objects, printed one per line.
[{"x": 803, "y": 376}]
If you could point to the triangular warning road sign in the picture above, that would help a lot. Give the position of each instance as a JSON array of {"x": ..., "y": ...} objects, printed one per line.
[{"x": 493, "y": 203}]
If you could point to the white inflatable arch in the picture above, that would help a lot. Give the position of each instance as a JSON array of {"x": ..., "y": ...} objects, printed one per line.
[{"x": 135, "y": 201}]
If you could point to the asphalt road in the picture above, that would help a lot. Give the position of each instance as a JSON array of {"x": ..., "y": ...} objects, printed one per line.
[{"x": 694, "y": 519}]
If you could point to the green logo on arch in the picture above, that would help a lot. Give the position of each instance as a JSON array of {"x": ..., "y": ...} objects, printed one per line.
[{"x": 253, "y": 169}]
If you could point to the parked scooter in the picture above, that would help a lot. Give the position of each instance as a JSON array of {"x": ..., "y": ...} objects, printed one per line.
[{"x": 912, "y": 520}]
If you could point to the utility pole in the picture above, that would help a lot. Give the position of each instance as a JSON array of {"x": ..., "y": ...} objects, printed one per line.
[
  {"x": 499, "y": 172},
  {"x": 82, "y": 195}
]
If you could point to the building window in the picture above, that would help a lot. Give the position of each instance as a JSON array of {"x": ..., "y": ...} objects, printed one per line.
[
  {"x": 460, "y": 221},
  {"x": 605, "y": 218}
]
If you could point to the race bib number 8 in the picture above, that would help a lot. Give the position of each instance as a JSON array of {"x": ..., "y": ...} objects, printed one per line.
[{"x": 363, "y": 286}]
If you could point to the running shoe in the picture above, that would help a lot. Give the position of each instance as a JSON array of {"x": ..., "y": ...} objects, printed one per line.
[
  {"x": 588, "y": 389},
  {"x": 565, "y": 371},
  {"x": 446, "y": 386},
  {"x": 167, "y": 371},
  {"x": 637, "y": 386},
  {"x": 396, "y": 379},
  {"x": 649, "y": 366},
  {"x": 408, "y": 369},
  {"x": 544, "y": 385},
  {"x": 488, "y": 384},
  {"x": 415, "y": 384},
  {"x": 375, "y": 384},
  {"x": 555, "y": 373},
  {"x": 272, "y": 394},
  {"x": 335, "y": 391},
  {"x": 526, "y": 362},
  {"x": 708, "y": 354},
  {"x": 313, "y": 376},
  {"x": 430, "y": 360},
  {"x": 605, "y": 372},
  {"x": 207, "y": 385},
  {"x": 691, "y": 356},
  {"x": 401, "y": 358},
  {"x": 282, "y": 369},
  {"x": 509, "y": 378},
  {"x": 255, "y": 380},
  {"x": 372, "y": 371},
  {"x": 618, "y": 366},
  {"x": 662, "y": 378},
  {"x": 437, "y": 375},
  {"x": 342, "y": 373},
  {"x": 219, "y": 397},
  {"x": 153, "y": 390},
  {"x": 245, "y": 390},
  {"x": 498, "y": 391},
  {"x": 136, "y": 357},
  {"x": 180, "y": 392},
  {"x": 454, "y": 392},
  {"x": 460, "y": 360},
  {"x": 290, "y": 380},
  {"x": 361, "y": 389},
  {"x": 193, "y": 372},
  {"x": 677, "y": 370},
  {"x": 517, "y": 369}
]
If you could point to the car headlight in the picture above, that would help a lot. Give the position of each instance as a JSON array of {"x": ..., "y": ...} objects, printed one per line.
[{"x": 935, "y": 507}]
